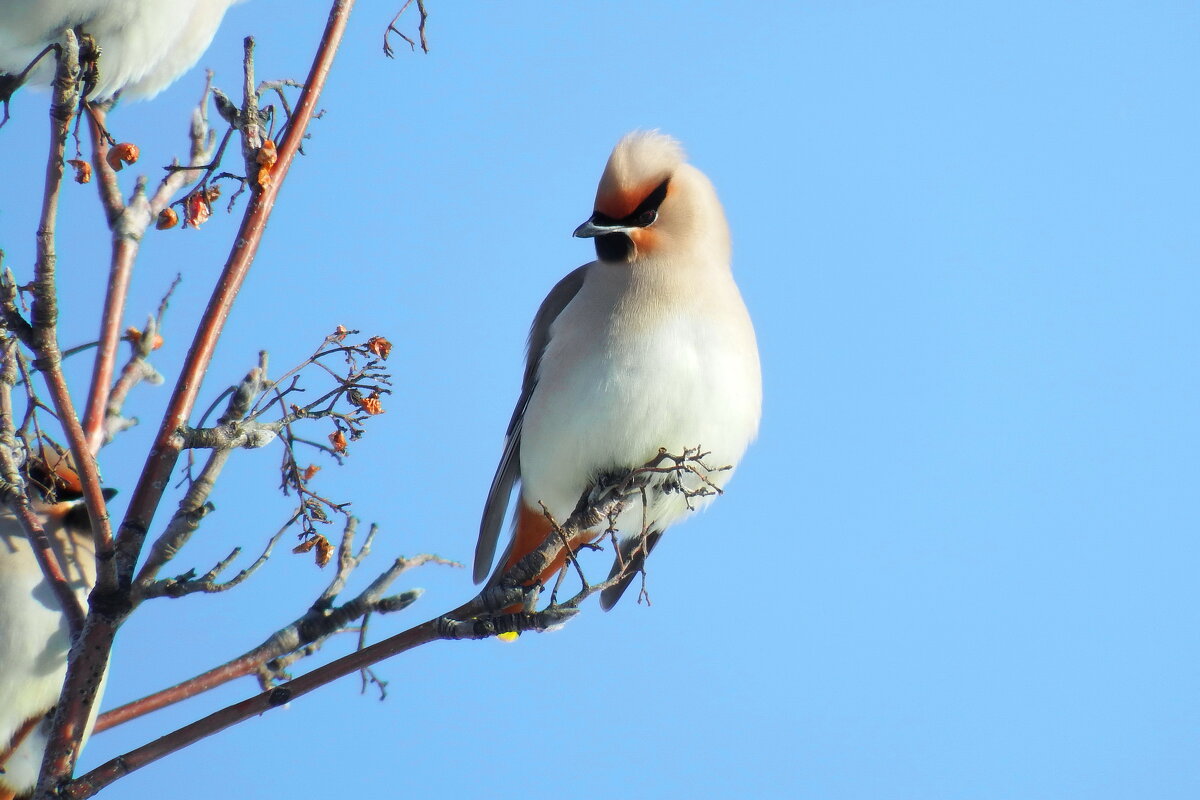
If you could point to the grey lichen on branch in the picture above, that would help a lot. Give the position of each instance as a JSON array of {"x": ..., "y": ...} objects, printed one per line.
[{"x": 230, "y": 436}]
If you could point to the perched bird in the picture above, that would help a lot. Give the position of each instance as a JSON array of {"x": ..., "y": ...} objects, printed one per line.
[
  {"x": 648, "y": 347},
  {"x": 144, "y": 44},
  {"x": 34, "y": 633}
]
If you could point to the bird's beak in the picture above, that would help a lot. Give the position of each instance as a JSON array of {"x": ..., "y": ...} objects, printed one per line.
[{"x": 590, "y": 229}]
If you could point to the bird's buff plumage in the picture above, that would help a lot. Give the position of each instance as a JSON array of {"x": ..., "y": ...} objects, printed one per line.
[
  {"x": 648, "y": 347},
  {"x": 34, "y": 635},
  {"x": 144, "y": 45}
]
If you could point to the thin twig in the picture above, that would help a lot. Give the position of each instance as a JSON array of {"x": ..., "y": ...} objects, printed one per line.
[
  {"x": 100, "y": 629},
  {"x": 128, "y": 225},
  {"x": 318, "y": 623},
  {"x": 391, "y": 28},
  {"x": 194, "y": 506},
  {"x": 475, "y": 619}
]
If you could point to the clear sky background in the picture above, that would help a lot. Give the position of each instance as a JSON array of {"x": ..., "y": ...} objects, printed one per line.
[{"x": 961, "y": 559}]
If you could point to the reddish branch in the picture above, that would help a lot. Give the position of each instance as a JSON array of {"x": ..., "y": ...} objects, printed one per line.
[
  {"x": 476, "y": 619},
  {"x": 89, "y": 784},
  {"x": 128, "y": 224},
  {"x": 434, "y": 630},
  {"x": 111, "y": 598},
  {"x": 322, "y": 620},
  {"x": 106, "y": 177},
  {"x": 44, "y": 308},
  {"x": 166, "y": 449},
  {"x": 124, "y": 250}
]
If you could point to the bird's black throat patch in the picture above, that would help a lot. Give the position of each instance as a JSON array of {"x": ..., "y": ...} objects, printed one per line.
[{"x": 614, "y": 247}]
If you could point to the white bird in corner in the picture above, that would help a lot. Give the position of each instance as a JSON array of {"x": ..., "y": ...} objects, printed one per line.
[
  {"x": 34, "y": 633},
  {"x": 648, "y": 347},
  {"x": 144, "y": 44}
]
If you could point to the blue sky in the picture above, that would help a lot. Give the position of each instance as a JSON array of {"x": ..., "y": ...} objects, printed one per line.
[{"x": 960, "y": 562}]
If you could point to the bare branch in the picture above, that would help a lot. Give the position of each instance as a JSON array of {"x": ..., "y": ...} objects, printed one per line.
[
  {"x": 96, "y": 641},
  {"x": 14, "y": 320},
  {"x": 106, "y": 177},
  {"x": 128, "y": 225},
  {"x": 322, "y": 620},
  {"x": 73, "y": 712},
  {"x": 135, "y": 371},
  {"x": 476, "y": 619},
  {"x": 195, "y": 506},
  {"x": 391, "y": 28},
  {"x": 207, "y": 583},
  {"x": 44, "y": 308}
]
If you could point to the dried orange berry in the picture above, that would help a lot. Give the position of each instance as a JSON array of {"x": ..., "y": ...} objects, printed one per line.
[
  {"x": 83, "y": 170},
  {"x": 196, "y": 210},
  {"x": 371, "y": 404},
  {"x": 324, "y": 551},
  {"x": 167, "y": 218},
  {"x": 267, "y": 155},
  {"x": 339, "y": 333},
  {"x": 379, "y": 346},
  {"x": 310, "y": 471},
  {"x": 135, "y": 336},
  {"x": 122, "y": 154},
  {"x": 266, "y": 158},
  {"x": 338, "y": 440}
]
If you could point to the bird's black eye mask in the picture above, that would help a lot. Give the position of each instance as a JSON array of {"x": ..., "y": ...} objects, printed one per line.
[
  {"x": 617, "y": 246},
  {"x": 641, "y": 217}
]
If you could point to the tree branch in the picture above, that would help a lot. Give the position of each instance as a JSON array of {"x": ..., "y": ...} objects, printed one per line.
[
  {"x": 135, "y": 371},
  {"x": 111, "y": 600},
  {"x": 322, "y": 620},
  {"x": 44, "y": 308},
  {"x": 476, "y": 619},
  {"x": 195, "y": 506},
  {"x": 128, "y": 224}
]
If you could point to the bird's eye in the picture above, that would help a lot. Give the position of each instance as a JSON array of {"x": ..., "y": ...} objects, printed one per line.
[{"x": 647, "y": 217}]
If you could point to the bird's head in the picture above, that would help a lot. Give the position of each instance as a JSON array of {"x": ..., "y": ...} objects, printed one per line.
[
  {"x": 651, "y": 202},
  {"x": 57, "y": 491}
]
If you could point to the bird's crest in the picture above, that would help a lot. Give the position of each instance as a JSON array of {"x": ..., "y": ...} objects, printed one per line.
[{"x": 639, "y": 163}]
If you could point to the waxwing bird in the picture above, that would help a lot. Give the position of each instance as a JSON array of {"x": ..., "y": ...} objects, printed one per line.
[
  {"x": 144, "y": 44},
  {"x": 650, "y": 346},
  {"x": 34, "y": 633}
]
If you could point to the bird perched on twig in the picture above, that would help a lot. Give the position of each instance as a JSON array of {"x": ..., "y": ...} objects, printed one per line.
[
  {"x": 34, "y": 632},
  {"x": 648, "y": 347},
  {"x": 144, "y": 44}
]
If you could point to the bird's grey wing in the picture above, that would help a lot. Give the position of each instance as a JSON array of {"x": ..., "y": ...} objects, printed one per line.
[
  {"x": 632, "y": 558},
  {"x": 509, "y": 469}
]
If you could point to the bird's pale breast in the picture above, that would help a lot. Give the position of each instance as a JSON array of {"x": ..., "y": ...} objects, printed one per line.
[
  {"x": 616, "y": 384},
  {"x": 34, "y": 641}
]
